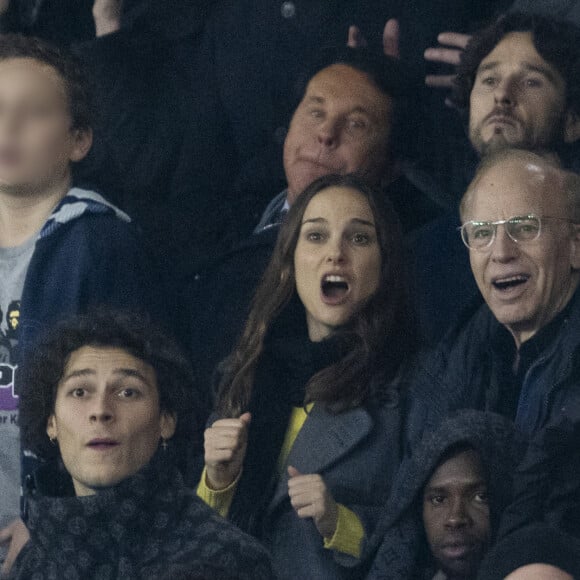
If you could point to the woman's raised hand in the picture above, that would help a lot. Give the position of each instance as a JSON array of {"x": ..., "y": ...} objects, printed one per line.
[
  {"x": 225, "y": 448},
  {"x": 310, "y": 498}
]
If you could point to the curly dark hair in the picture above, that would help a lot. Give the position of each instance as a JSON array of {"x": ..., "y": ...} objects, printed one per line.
[
  {"x": 41, "y": 373},
  {"x": 77, "y": 86},
  {"x": 557, "y": 42},
  {"x": 380, "y": 336}
]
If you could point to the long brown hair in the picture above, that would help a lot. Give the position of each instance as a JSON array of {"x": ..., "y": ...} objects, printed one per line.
[{"x": 379, "y": 335}]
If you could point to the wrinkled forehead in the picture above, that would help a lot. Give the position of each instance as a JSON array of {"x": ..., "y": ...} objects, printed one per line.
[{"x": 512, "y": 188}]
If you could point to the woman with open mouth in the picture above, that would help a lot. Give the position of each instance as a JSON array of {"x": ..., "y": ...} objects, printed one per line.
[{"x": 305, "y": 439}]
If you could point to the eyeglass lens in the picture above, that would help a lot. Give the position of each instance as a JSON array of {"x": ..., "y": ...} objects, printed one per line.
[{"x": 520, "y": 229}]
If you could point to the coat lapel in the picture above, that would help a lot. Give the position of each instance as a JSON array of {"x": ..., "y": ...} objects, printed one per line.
[{"x": 322, "y": 441}]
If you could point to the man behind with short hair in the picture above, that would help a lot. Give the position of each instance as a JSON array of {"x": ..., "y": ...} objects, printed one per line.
[
  {"x": 62, "y": 248},
  {"x": 518, "y": 86},
  {"x": 515, "y": 355},
  {"x": 352, "y": 118}
]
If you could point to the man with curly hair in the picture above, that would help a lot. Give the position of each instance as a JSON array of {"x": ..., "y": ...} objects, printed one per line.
[{"x": 109, "y": 404}]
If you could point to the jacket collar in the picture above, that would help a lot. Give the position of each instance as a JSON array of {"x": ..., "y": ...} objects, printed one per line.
[
  {"x": 120, "y": 512},
  {"x": 76, "y": 203}
]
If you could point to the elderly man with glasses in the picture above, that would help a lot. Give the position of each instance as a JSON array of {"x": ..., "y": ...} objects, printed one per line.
[{"x": 519, "y": 353}]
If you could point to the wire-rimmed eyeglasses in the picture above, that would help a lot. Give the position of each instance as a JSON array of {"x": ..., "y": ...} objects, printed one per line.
[{"x": 480, "y": 235}]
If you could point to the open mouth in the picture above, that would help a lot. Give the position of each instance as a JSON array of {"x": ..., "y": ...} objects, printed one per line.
[
  {"x": 504, "y": 284},
  {"x": 334, "y": 288}
]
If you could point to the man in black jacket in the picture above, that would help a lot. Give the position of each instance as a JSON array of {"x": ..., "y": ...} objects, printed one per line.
[{"x": 516, "y": 354}]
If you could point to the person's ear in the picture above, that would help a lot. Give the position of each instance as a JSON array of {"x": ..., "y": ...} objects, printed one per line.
[
  {"x": 572, "y": 127},
  {"x": 51, "y": 428},
  {"x": 82, "y": 141},
  {"x": 575, "y": 249},
  {"x": 168, "y": 423}
]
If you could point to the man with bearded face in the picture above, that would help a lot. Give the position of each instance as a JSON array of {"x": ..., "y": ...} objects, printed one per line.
[{"x": 517, "y": 86}]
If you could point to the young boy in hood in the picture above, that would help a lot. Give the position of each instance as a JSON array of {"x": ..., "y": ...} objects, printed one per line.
[
  {"x": 456, "y": 513},
  {"x": 444, "y": 509}
]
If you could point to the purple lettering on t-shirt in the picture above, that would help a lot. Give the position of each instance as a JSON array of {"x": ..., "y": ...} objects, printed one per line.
[{"x": 8, "y": 398}]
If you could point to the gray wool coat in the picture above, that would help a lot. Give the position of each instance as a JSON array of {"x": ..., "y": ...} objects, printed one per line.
[{"x": 357, "y": 453}]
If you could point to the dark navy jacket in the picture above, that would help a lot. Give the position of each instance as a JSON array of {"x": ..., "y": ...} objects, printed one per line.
[
  {"x": 95, "y": 257},
  {"x": 87, "y": 254},
  {"x": 460, "y": 374}
]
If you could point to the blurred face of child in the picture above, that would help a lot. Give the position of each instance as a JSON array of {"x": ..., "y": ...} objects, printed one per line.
[{"x": 37, "y": 142}]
